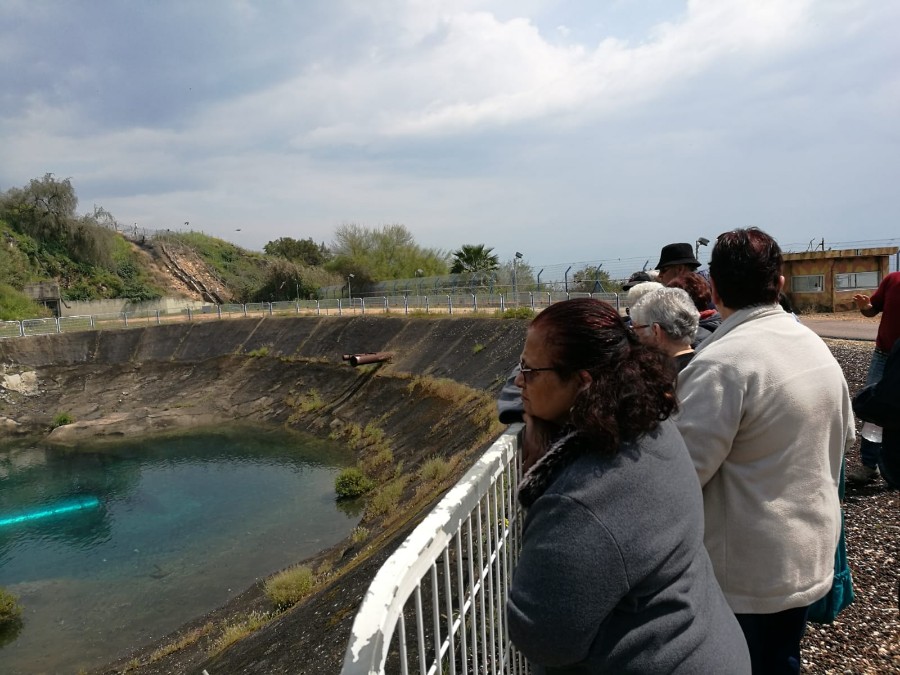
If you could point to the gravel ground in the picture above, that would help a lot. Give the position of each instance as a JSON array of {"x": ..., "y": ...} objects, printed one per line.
[{"x": 866, "y": 636}]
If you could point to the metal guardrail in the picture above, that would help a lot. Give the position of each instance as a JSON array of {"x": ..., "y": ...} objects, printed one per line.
[
  {"x": 438, "y": 604},
  {"x": 439, "y": 304}
]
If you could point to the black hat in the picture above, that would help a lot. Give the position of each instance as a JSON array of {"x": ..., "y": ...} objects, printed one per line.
[
  {"x": 635, "y": 279},
  {"x": 677, "y": 254}
]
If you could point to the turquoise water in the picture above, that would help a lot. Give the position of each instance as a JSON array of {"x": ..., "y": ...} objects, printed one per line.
[{"x": 112, "y": 548}]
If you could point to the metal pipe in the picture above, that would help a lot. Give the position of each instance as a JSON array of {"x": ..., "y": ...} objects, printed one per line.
[{"x": 370, "y": 357}]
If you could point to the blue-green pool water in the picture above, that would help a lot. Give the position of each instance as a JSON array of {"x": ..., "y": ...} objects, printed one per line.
[{"x": 114, "y": 547}]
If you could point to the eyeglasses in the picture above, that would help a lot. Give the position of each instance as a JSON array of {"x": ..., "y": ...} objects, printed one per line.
[{"x": 527, "y": 372}]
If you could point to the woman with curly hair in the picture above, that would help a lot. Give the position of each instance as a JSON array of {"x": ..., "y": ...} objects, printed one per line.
[{"x": 612, "y": 576}]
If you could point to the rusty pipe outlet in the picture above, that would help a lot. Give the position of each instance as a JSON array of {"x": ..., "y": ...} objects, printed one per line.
[{"x": 370, "y": 357}]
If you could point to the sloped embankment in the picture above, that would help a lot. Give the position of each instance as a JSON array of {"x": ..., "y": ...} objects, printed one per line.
[{"x": 434, "y": 399}]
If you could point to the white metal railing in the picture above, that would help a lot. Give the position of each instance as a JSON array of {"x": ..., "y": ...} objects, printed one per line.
[{"x": 438, "y": 604}]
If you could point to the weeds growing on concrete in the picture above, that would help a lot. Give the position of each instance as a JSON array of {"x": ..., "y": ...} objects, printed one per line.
[
  {"x": 517, "y": 313},
  {"x": 241, "y": 628},
  {"x": 351, "y": 483},
  {"x": 61, "y": 419},
  {"x": 387, "y": 497},
  {"x": 289, "y": 586},
  {"x": 311, "y": 401},
  {"x": 10, "y": 609},
  {"x": 436, "y": 469},
  {"x": 185, "y": 640},
  {"x": 359, "y": 534},
  {"x": 258, "y": 353}
]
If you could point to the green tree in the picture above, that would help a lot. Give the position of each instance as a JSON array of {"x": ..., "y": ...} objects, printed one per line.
[
  {"x": 286, "y": 280},
  {"x": 389, "y": 252},
  {"x": 45, "y": 211},
  {"x": 304, "y": 251},
  {"x": 592, "y": 279},
  {"x": 474, "y": 258}
]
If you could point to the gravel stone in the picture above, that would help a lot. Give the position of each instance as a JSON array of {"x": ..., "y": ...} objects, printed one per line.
[{"x": 865, "y": 638}]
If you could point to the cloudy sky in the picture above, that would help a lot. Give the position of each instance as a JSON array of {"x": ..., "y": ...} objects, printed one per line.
[{"x": 569, "y": 131}]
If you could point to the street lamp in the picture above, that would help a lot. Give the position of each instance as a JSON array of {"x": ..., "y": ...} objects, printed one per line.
[
  {"x": 516, "y": 259},
  {"x": 349, "y": 294},
  {"x": 702, "y": 241}
]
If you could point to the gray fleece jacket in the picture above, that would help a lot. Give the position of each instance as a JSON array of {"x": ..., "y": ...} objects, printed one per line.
[{"x": 613, "y": 576}]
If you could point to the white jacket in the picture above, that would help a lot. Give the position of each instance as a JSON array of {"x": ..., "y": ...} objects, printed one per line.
[{"x": 765, "y": 412}]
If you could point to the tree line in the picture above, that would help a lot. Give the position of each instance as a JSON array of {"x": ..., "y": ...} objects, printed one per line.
[{"x": 87, "y": 257}]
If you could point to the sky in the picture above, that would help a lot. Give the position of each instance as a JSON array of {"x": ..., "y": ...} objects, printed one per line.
[{"x": 567, "y": 131}]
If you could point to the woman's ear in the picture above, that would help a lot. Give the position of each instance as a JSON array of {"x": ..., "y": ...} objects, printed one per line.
[{"x": 586, "y": 379}]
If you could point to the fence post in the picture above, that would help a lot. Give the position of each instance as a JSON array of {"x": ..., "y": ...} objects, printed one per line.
[
  {"x": 449, "y": 304},
  {"x": 270, "y": 309},
  {"x": 219, "y": 311},
  {"x": 340, "y": 308},
  {"x": 386, "y": 308},
  {"x": 549, "y": 298},
  {"x": 245, "y": 310},
  {"x": 125, "y": 318},
  {"x": 474, "y": 302},
  {"x": 318, "y": 309},
  {"x": 406, "y": 305},
  {"x": 91, "y": 317},
  {"x": 362, "y": 305},
  {"x": 502, "y": 304},
  {"x": 21, "y": 329},
  {"x": 426, "y": 304},
  {"x": 531, "y": 296},
  {"x": 190, "y": 314}
]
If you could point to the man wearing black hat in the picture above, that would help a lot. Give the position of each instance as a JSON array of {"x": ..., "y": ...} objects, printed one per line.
[
  {"x": 635, "y": 279},
  {"x": 674, "y": 259}
]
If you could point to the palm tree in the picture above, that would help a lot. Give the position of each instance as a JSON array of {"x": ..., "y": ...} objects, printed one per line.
[{"x": 474, "y": 258}]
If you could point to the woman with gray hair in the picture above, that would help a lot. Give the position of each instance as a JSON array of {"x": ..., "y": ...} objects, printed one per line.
[{"x": 668, "y": 319}]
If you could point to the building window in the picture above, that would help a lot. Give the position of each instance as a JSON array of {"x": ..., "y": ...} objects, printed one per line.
[
  {"x": 808, "y": 283},
  {"x": 854, "y": 280}
]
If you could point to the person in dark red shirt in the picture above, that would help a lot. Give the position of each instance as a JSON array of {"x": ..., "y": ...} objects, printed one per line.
[{"x": 886, "y": 301}]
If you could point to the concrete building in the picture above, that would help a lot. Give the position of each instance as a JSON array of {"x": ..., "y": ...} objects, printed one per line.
[{"x": 828, "y": 280}]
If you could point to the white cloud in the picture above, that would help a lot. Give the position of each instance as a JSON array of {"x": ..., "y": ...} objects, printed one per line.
[{"x": 463, "y": 119}]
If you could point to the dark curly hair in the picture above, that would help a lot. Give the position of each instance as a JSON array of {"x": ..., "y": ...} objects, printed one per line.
[
  {"x": 696, "y": 286},
  {"x": 633, "y": 385}
]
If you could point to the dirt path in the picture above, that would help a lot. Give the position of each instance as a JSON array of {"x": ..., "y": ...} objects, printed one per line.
[{"x": 842, "y": 325}]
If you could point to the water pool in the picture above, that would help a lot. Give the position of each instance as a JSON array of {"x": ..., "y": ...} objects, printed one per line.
[{"x": 111, "y": 548}]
